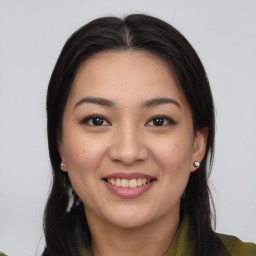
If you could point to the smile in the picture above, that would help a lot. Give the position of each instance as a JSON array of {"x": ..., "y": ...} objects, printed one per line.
[
  {"x": 125, "y": 183},
  {"x": 129, "y": 185}
]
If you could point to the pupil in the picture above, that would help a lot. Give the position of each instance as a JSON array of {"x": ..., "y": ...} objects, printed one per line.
[
  {"x": 97, "y": 121},
  {"x": 158, "y": 121}
]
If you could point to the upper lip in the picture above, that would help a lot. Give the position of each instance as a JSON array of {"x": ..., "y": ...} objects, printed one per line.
[{"x": 129, "y": 176}]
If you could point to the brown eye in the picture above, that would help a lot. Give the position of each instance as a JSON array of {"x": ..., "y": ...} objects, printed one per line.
[
  {"x": 95, "y": 121},
  {"x": 160, "y": 121}
]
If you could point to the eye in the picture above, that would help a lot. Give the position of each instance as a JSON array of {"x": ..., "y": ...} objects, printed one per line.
[
  {"x": 160, "y": 121},
  {"x": 95, "y": 120}
]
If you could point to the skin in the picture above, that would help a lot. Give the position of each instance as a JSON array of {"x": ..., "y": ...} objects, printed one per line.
[{"x": 129, "y": 141}]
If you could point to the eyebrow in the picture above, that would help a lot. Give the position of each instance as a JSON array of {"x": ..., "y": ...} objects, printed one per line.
[
  {"x": 98, "y": 101},
  {"x": 108, "y": 103},
  {"x": 158, "y": 101}
]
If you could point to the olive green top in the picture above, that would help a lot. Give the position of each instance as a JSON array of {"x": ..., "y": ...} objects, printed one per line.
[{"x": 182, "y": 246}]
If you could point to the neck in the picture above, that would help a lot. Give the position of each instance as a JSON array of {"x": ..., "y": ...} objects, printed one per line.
[{"x": 152, "y": 239}]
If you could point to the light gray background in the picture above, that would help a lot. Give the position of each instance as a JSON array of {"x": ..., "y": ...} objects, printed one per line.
[{"x": 32, "y": 34}]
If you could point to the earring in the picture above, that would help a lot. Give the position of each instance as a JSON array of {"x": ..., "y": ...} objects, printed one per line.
[
  {"x": 61, "y": 165},
  {"x": 196, "y": 164}
]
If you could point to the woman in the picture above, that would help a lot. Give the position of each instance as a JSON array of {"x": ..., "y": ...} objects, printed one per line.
[{"x": 131, "y": 139}]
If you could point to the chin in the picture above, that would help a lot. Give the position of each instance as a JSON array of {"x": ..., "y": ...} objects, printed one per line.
[
  {"x": 128, "y": 222},
  {"x": 128, "y": 218}
]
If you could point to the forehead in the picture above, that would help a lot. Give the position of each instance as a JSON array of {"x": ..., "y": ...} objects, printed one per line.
[{"x": 125, "y": 76}]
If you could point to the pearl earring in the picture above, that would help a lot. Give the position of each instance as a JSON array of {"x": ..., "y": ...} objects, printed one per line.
[{"x": 196, "y": 164}]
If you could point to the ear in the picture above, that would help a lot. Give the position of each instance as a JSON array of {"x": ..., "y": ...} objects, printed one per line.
[
  {"x": 199, "y": 147},
  {"x": 63, "y": 165}
]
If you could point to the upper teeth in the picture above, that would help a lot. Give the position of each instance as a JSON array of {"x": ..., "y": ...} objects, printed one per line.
[{"x": 124, "y": 183}]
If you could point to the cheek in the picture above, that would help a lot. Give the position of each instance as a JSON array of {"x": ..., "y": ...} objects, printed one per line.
[
  {"x": 174, "y": 159},
  {"x": 82, "y": 156},
  {"x": 82, "y": 153},
  {"x": 174, "y": 153}
]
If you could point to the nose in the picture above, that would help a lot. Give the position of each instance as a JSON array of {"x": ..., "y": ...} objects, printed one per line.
[{"x": 127, "y": 146}]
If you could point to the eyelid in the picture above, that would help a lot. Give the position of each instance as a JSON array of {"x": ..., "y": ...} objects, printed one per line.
[
  {"x": 90, "y": 117},
  {"x": 169, "y": 119}
]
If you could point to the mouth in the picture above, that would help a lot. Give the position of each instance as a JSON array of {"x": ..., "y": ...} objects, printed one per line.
[{"x": 129, "y": 185}]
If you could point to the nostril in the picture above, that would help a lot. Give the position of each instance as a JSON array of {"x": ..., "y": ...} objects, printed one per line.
[{"x": 127, "y": 150}]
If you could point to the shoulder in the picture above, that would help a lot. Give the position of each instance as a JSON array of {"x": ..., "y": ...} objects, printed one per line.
[{"x": 236, "y": 247}]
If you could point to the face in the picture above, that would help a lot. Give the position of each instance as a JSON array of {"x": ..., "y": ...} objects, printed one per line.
[{"x": 128, "y": 143}]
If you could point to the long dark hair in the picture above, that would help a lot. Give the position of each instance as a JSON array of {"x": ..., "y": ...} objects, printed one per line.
[{"x": 134, "y": 32}]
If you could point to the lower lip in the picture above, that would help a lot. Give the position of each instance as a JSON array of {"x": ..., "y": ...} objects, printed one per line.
[{"x": 129, "y": 192}]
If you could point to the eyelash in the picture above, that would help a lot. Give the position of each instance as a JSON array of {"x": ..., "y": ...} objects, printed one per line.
[
  {"x": 91, "y": 117},
  {"x": 169, "y": 120},
  {"x": 166, "y": 121}
]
